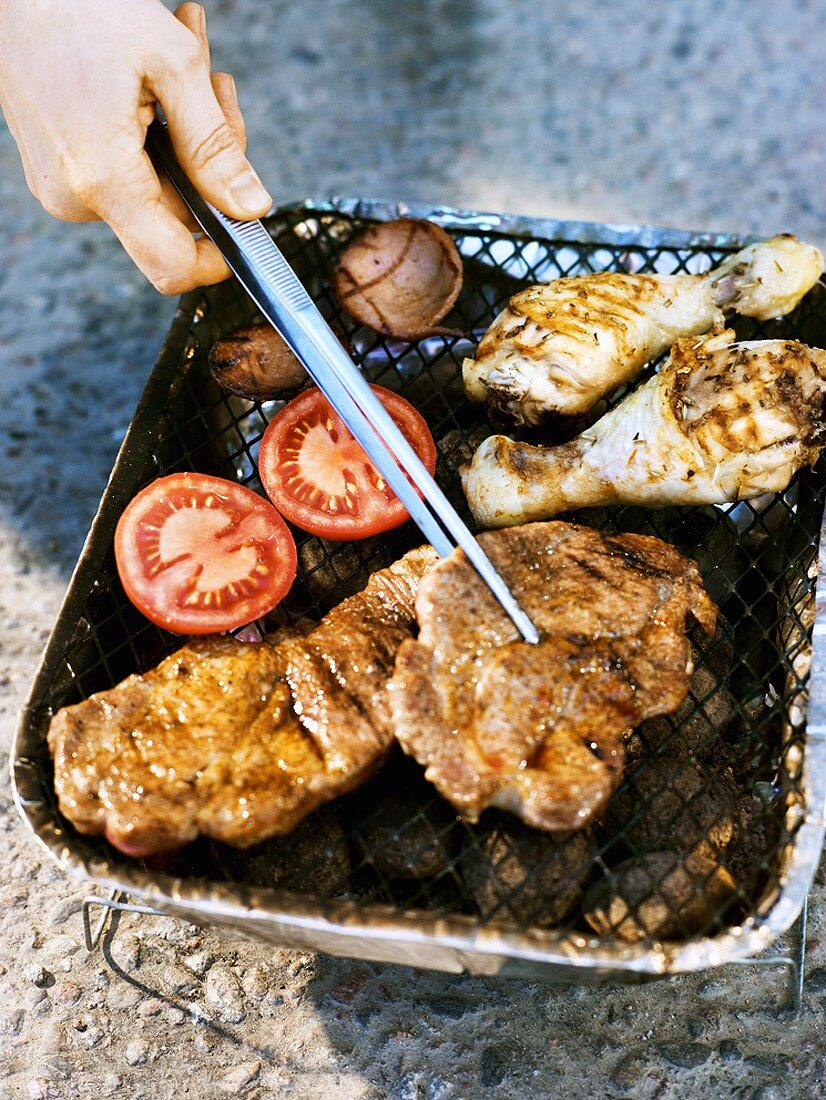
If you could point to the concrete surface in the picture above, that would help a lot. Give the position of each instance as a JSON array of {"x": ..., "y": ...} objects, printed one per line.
[{"x": 706, "y": 115}]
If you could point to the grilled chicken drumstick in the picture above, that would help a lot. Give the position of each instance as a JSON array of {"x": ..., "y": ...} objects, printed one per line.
[
  {"x": 559, "y": 347},
  {"x": 238, "y": 741},
  {"x": 720, "y": 422},
  {"x": 539, "y": 729}
]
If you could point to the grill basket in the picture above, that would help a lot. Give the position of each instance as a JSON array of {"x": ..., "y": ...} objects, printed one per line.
[{"x": 733, "y": 784}]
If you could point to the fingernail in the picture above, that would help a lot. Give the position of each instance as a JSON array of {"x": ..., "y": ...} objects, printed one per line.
[
  {"x": 249, "y": 192},
  {"x": 202, "y": 20}
]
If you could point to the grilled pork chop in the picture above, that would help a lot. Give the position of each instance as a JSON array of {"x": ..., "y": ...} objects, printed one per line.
[
  {"x": 539, "y": 730},
  {"x": 720, "y": 422},
  {"x": 238, "y": 741},
  {"x": 559, "y": 347}
]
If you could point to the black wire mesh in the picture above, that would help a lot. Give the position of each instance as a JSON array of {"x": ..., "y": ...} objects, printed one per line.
[{"x": 694, "y": 838}]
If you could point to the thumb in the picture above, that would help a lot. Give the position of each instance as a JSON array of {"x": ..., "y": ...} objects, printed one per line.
[{"x": 206, "y": 147}]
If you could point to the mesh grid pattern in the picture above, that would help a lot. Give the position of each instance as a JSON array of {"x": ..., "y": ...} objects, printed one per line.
[{"x": 697, "y": 831}]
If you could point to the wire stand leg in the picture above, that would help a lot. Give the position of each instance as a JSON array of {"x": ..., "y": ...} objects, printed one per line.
[
  {"x": 111, "y": 906},
  {"x": 794, "y": 963}
]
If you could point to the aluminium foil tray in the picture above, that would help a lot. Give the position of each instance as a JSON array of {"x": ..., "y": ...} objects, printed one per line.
[{"x": 768, "y": 595}]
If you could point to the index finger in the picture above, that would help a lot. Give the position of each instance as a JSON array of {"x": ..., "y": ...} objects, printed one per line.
[
  {"x": 158, "y": 241},
  {"x": 224, "y": 87}
]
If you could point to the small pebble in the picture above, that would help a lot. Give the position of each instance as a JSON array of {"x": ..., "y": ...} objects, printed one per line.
[
  {"x": 38, "y": 975},
  {"x": 52, "y": 1039},
  {"x": 199, "y": 963},
  {"x": 56, "y": 1069},
  {"x": 438, "y": 1088},
  {"x": 451, "y": 1007},
  {"x": 122, "y": 996},
  {"x": 150, "y": 1007},
  {"x": 67, "y": 993},
  {"x": 11, "y": 1021},
  {"x": 92, "y": 1036},
  {"x": 61, "y": 912},
  {"x": 180, "y": 982},
  {"x": 172, "y": 930},
  {"x": 628, "y": 1071},
  {"x": 496, "y": 1061},
  {"x": 240, "y": 1078},
  {"x": 137, "y": 1052},
  {"x": 255, "y": 983},
  {"x": 62, "y": 946},
  {"x": 685, "y": 1055},
  {"x": 408, "y": 1087},
  {"x": 126, "y": 951},
  {"x": 223, "y": 995},
  {"x": 42, "y": 1007},
  {"x": 729, "y": 1051}
]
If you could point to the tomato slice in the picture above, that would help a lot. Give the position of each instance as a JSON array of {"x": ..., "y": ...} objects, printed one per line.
[
  {"x": 199, "y": 555},
  {"x": 317, "y": 475}
]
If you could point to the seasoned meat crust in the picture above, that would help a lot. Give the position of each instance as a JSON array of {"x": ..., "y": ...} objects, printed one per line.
[
  {"x": 558, "y": 347},
  {"x": 239, "y": 741},
  {"x": 721, "y": 421},
  {"x": 539, "y": 730}
]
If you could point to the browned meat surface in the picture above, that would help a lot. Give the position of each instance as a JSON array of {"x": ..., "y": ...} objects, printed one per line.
[
  {"x": 239, "y": 741},
  {"x": 539, "y": 730},
  {"x": 255, "y": 362},
  {"x": 558, "y": 347},
  {"x": 721, "y": 421}
]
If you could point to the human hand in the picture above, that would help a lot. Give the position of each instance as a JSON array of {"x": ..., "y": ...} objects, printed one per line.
[{"x": 79, "y": 82}]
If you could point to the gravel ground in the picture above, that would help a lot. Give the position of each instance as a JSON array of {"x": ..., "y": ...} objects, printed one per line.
[{"x": 706, "y": 115}]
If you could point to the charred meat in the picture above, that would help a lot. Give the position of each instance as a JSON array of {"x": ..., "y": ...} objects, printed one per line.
[
  {"x": 539, "y": 730},
  {"x": 238, "y": 741}
]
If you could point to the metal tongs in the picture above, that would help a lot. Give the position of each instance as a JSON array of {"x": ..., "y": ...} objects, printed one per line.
[{"x": 272, "y": 284}]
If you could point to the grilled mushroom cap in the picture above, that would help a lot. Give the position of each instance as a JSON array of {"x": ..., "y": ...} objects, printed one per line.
[
  {"x": 255, "y": 362},
  {"x": 399, "y": 278}
]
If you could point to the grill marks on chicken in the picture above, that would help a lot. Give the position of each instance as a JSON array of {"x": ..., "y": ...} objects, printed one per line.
[
  {"x": 722, "y": 421},
  {"x": 239, "y": 741},
  {"x": 559, "y": 347},
  {"x": 539, "y": 730}
]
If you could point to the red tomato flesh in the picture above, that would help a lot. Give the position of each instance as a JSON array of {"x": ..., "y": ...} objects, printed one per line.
[
  {"x": 200, "y": 555},
  {"x": 317, "y": 475}
]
